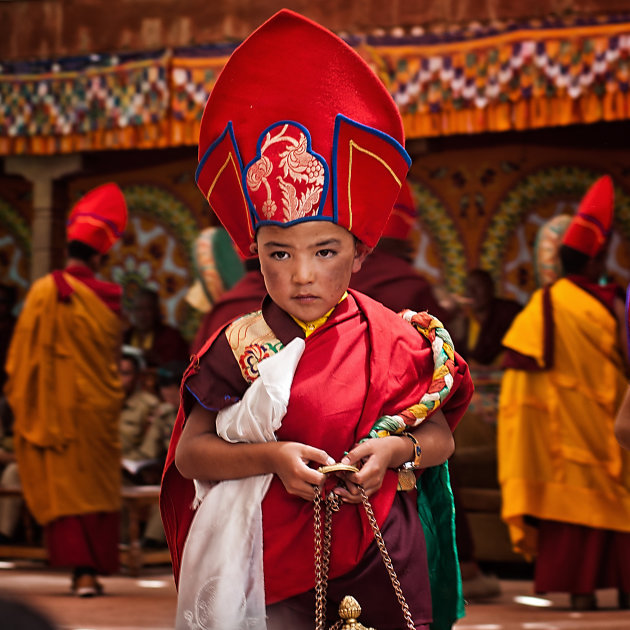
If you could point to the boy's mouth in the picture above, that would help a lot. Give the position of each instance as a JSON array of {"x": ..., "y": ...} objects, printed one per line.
[{"x": 305, "y": 297}]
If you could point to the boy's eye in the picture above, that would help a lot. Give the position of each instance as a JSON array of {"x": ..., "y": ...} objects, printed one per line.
[
  {"x": 326, "y": 253},
  {"x": 279, "y": 255}
]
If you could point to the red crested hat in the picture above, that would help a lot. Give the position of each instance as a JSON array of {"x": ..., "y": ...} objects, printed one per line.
[
  {"x": 591, "y": 225},
  {"x": 99, "y": 218},
  {"x": 402, "y": 220},
  {"x": 299, "y": 128}
]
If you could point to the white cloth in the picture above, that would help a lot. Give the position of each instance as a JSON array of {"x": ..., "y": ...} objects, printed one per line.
[{"x": 221, "y": 584}]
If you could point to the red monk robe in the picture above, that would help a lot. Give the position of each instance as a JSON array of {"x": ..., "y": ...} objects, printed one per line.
[
  {"x": 371, "y": 363},
  {"x": 396, "y": 284}
]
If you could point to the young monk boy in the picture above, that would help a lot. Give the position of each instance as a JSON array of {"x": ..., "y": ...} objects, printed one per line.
[{"x": 301, "y": 158}]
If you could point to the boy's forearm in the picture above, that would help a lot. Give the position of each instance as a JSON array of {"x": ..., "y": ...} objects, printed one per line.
[
  {"x": 211, "y": 458},
  {"x": 435, "y": 439}
]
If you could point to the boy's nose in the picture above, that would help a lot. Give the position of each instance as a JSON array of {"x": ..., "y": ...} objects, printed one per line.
[{"x": 302, "y": 273}]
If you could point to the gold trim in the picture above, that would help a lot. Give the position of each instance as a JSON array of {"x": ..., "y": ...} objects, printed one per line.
[
  {"x": 230, "y": 159},
  {"x": 354, "y": 145}
]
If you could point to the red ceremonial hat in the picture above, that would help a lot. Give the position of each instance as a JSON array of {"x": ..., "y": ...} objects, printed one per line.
[
  {"x": 299, "y": 128},
  {"x": 591, "y": 225},
  {"x": 402, "y": 220},
  {"x": 99, "y": 218}
]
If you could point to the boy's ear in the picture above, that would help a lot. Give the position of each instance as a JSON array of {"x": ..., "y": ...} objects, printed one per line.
[
  {"x": 361, "y": 252},
  {"x": 253, "y": 248}
]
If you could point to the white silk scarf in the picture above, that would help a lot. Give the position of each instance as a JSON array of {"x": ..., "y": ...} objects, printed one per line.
[{"x": 221, "y": 584}]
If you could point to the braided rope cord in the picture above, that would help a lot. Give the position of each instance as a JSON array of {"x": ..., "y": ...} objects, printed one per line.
[{"x": 441, "y": 382}]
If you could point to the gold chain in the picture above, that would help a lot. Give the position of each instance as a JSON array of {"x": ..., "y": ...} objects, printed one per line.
[{"x": 322, "y": 557}]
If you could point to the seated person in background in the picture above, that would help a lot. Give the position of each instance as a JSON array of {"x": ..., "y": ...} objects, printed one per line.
[
  {"x": 158, "y": 341},
  {"x": 487, "y": 319},
  {"x": 156, "y": 440},
  {"x": 136, "y": 413}
]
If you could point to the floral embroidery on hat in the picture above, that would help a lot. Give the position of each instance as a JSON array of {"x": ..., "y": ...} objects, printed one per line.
[{"x": 287, "y": 180}]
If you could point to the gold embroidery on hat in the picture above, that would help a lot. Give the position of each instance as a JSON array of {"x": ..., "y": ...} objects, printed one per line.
[
  {"x": 230, "y": 159},
  {"x": 300, "y": 183},
  {"x": 354, "y": 145}
]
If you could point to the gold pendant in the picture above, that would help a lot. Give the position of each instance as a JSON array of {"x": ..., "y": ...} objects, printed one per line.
[{"x": 349, "y": 611}]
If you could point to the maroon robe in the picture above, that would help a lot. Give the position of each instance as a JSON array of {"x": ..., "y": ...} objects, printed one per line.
[
  {"x": 394, "y": 282},
  {"x": 370, "y": 362}
]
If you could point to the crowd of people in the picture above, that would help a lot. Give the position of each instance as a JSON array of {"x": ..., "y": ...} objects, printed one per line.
[{"x": 318, "y": 383}]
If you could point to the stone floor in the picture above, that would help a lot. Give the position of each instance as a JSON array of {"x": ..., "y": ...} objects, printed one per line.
[{"x": 149, "y": 602}]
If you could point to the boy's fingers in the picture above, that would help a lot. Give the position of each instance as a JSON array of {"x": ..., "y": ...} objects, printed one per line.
[{"x": 319, "y": 456}]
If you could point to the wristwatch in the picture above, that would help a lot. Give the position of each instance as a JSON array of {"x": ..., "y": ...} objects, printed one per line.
[
  {"x": 406, "y": 474},
  {"x": 414, "y": 463}
]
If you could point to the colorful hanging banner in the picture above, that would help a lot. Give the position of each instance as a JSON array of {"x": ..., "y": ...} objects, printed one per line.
[{"x": 469, "y": 80}]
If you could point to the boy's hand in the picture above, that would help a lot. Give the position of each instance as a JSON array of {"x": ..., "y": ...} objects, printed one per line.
[
  {"x": 373, "y": 457},
  {"x": 291, "y": 464}
]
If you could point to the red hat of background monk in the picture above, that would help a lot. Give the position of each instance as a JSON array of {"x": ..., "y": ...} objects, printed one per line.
[
  {"x": 591, "y": 225},
  {"x": 299, "y": 128},
  {"x": 402, "y": 220},
  {"x": 99, "y": 218}
]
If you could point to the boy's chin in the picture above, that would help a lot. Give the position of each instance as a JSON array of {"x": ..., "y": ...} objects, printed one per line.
[{"x": 306, "y": 314}]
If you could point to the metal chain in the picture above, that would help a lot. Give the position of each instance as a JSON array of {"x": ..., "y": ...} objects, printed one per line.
[
  {"x": 322, "y": 557},
  {"x": 321, "y": 579},
  {"x": 386, "y": 559}
]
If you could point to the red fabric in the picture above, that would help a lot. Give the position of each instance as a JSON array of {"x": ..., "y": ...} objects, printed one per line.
[
  {"x": 591, "y": 225},
  {"x": 369, "y": 581},
  {"x": 393, "y": 282},
  {"x": 168, "y": 345},
  {"x": 244, "y": 297},
  {"x": 399, "y": 365},
  {"x": 327, "y": 145},
  {"x": 108, "y": 292},
  {"x": 403, "y": 217},
  {"x": 86, "y": 540},
  {"x": 579, "y": 560},
  {"x": 605, "y": 293},
  {"x": 99, "y": 218}
]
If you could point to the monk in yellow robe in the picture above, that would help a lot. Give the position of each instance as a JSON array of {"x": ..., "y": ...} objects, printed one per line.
[
  {"x": 65, "y": 392},
  {"x": 565, "y": 480}
]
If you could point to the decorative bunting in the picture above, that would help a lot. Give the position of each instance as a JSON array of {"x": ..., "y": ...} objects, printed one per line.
[{"x": 464, "y": 80}]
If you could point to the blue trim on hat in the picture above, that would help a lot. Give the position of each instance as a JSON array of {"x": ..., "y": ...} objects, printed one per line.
[
  {"x": 595, "y": 221},
  {"x": 256, "y": 221},
  {"x": 228, "y": 129},
  {"x": 285, "y": 224},
  {"x": 376, "y": 132},
  {"x": 112, "y": 226}
]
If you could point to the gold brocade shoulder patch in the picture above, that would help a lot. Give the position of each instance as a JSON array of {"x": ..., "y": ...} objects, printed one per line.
[{"x": 251, "y": 341}]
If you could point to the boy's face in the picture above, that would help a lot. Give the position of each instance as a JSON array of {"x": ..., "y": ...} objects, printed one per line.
[
  {"x": 307, "y": 266},
  {"x": 128, "y": 375}
]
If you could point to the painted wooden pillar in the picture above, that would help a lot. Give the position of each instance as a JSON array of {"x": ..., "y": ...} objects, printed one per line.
[{"x": 42, "y": 171}]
